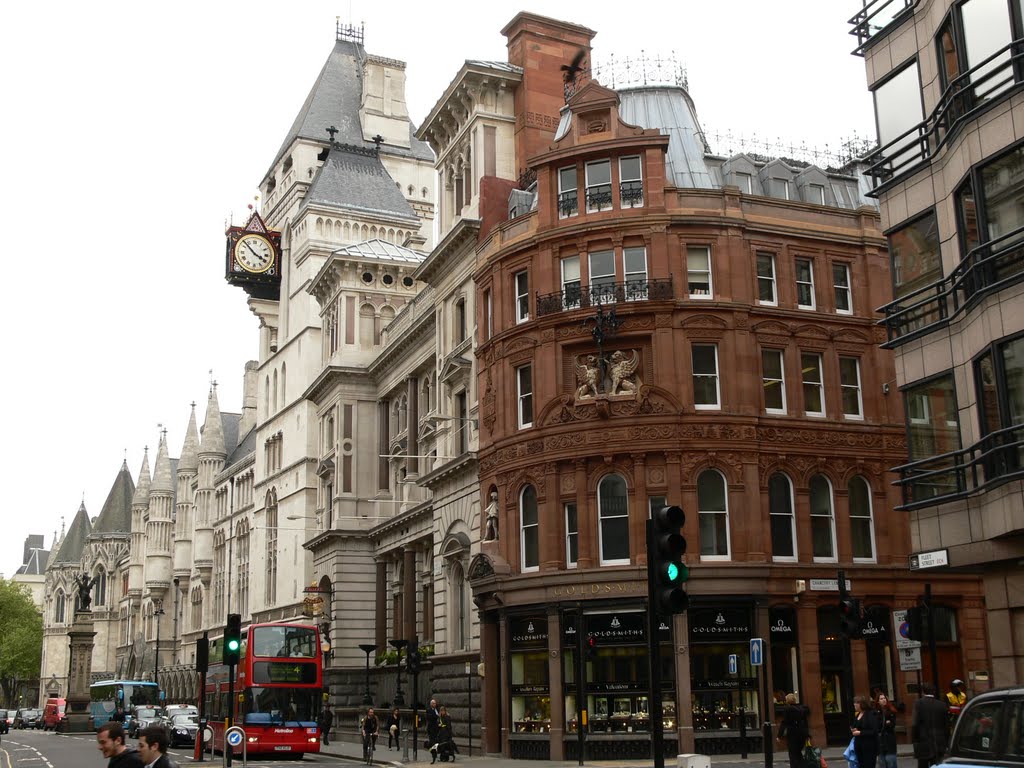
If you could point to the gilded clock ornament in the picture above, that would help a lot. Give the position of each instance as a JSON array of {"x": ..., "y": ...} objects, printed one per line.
[{"x": 254, "y": 253}]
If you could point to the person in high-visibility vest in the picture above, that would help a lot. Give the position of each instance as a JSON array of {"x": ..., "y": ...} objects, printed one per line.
[{"x": 956, "y": 697}]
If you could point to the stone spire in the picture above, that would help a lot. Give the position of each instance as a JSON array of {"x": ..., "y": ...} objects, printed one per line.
[
  {"x": 184, "y": 506},
  {"x": 189, "y": 461},
  {"x": 140, "y": 512},
  {"x": 213, "y": 429},
  {"x": 159, "y": 524},
  {"x": 142, "y": 487},
  {"x": 212, "y": 455},
  {"x": 162, "y": 480}
]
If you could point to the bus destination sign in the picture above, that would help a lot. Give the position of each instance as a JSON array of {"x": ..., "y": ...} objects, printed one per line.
[{"x": 264, "y": 672}]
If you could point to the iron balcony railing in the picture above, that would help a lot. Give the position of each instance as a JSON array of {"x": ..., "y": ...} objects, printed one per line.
[
  {"x": 599, "y": 197},
  {"x": 631, "y": 193},
  {"x": 966, "y": 96},
  {"x": 568, "y": 203},
  {"x": 578, "y": 297},
  {"x": 995, "y": 459},
  {"x": 876, "y": 17},
  {"x": 986, "y": 269}
]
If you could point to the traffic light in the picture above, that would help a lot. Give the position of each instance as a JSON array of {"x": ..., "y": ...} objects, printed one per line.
[
  {"x": 849, "y": 616},
  {"x": 233, "y": 639},
  {"x": 915, "y": 624},
  {"x": 668, "y": 573},
  {"x": 202, "y": 654},
  {"x": 413, "y": 658},
  {"x": 590, "y": 648}
]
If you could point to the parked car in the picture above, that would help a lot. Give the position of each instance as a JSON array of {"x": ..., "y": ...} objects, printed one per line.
[
  {"x": 54, "y": 713},
  {"x": 5, "y": 726},
  {"x": 990, "y": 731},
  {"x": 143, "y": 717},
  {"x": 28, "y": 718},
  {"x": 182, "y": 729}
]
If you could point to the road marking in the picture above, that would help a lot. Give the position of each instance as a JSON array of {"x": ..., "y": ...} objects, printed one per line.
[{"x": 25, "y": 748}]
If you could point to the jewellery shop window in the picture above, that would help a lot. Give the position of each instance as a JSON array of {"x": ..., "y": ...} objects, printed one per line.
[
  {"x": 531, "y": 700},
  {"x": 720, "y": 698}
]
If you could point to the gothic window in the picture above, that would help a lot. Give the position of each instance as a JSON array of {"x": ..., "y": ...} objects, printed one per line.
[
  {"x": 367, "y": 326},
  {"x": 823, "y": 524},
  {"x": 273, "y": 393},
  {"x": 243, "y": 568},
  {"x": 58, "y": 608},
  {"x": 613, "y": 513},
  {"x": 99, "y": 590},
  {"x": 783, "y": 526},
  {"x": 284, "y": 379},
  {"x": 219, "y": 569},
  {"x": 197, "y": 608},
  {"x": 529, "y": 530},
  {"x": 713, "y": 512},
  {"x": 270, "y": 594}
]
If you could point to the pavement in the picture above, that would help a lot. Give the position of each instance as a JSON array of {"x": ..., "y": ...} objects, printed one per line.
[{"x": 401, "y": 759}]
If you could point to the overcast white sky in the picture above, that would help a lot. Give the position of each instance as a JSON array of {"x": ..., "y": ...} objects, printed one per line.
[{"x": 132, "y": 131}]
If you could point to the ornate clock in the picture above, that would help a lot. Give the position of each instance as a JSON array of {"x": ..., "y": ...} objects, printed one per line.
[{"x": 254, "y": 258}]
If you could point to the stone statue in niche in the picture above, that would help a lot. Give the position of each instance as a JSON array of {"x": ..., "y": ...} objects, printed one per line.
[
  {"x": 491, "y": 531},
  {"x": 85, "y": 585},
  {"x": 588, "y": 376},
  {"x": 623, "y": 372}
]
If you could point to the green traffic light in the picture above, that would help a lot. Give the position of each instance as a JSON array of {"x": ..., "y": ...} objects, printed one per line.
[
  {"x": 232, "y": 645},
  {"x": 672, "y": 571}
]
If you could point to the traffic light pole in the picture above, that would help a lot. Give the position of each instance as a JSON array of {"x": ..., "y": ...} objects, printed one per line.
[
  {"x": 932, "y": 651},
  {"x": 653, "y": 655},
  {"x": 229, "y": 720},
  {"x": 581, "y": 674},
  {"x": 847, "y": 656}
]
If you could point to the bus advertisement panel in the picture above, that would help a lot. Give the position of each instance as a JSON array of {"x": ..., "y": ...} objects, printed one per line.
[
  {"x": 108, "y": 696},
  {"x": 278, "y": 690}
]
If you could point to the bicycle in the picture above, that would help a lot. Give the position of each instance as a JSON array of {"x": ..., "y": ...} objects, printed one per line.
[{"x": 369, "y": 745}]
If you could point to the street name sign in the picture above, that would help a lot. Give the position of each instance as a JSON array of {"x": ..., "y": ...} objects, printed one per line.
[{"x": 934, "y": 559}]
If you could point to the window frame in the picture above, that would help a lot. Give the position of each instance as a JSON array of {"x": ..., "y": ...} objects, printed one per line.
[
  {"x": 623, "y": 181},
  {"x": 847, "y": 288},
  {"x": 859, "y": 387},
  {"x": 797, "y": 262},
  {"x": 601, "y": 290},
  {"x": 572, "y": 534},
  {"x": 792, "y": 520},
  {"x": 563, "y": 193},
  {"x": 772, "y": 279},
  {"x": 523, "y": 525},
  {"x": 710, "y": 274},
  {"x": 521, "y": 290},
  {"x": 870, "y": 519},
  {"x": 782, "y": 382},
  {"x": 588, "y": 186},
  {"x": 820, "y": 384},
  {"x": 524, "y": 397},
  {"x": 601, "y": 517},
  {"x": 639, "y": 290},
  {"x": 717, "y": 405},
  {"x": 831, "y": 516},
  {"x": 566, "y": 303},
  {"x": 718, "y": 514}
]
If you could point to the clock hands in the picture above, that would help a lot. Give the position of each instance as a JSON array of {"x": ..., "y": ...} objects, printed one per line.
[{"x": 254, "y": 252}]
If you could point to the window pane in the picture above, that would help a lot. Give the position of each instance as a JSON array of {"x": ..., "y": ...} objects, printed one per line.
[
  {"x": 1004, "y": 200},
  {"x": 1013, "y": 369},
  {"x": 780, "y": 505},
  {"x": 705, "y": 375},
  {"x": 571, "y": 534},
  {"x": 860, "y": 518},
  {"x": 811, "y": 369},
  {"x": 934, "y": 430},
  {"x": 766, "y": 278},
  {"x": 849, "y": 375},
  {"x": 599, "y": 173},
  {"x": 528, "y": 517},
  {"x": 986, "y": 29},
  {"x": 821, "y": 517},
  {"x": 614, "y": 511},
  {"x": 566, "y": 179},
  {"x": 714, "y": 539},
  {"x": 571, "y": 269},
  {"x": 602, "y": 265},
  {"x": 698, "y": 270},
  {"x": 898, "y": 109},
  {"x": 711, "y": 492},
  {"x": 772, "y": 380},
  {"x": 841, "y": 284},
  {"x": 629, "y": 168},
  {"x": 635, "y": 260},
  {"x": 804, "y": 283}
]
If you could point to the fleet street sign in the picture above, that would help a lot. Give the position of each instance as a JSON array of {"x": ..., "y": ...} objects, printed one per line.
[
  {"x": 934, "y": 559},
  {"x": 756, "y": 651}
]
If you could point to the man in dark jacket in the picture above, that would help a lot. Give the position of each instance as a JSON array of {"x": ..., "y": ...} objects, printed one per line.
[
  {"x": 928, "y": 730},
  {"x": 153, "y": 743},
  {"x": 325, "y": 722},
  {"x": 110, "y": 741},
  {"x": 794, "y": 729}
]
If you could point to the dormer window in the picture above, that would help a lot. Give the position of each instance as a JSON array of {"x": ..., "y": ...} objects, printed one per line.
[
  {"x": 631, "y": 186},
  {"x": 287, "y": 164},
  {"x": 599, "y": 186},
  {"x": 780, "y": 188},
  {"x": 568, "y": 196}
]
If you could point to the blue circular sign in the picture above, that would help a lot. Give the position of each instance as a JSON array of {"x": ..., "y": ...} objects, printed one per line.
[{"x": 234, "y": 738}]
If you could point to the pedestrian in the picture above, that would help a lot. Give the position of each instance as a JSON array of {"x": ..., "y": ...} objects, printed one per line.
[
  {"x": 432, "y": 715},
  {"x": 153, "y": 743},
  {"x": 444, "y": 746},
  {"x": 865, "y": 732},
  {"x": 110, "y": 741},
  {"x": 794, "y": 729},
  {"x": 369, "y": 730},
  {"x": 928, "y": 730},
  {"x": 324, "y": 723},
  {"x": 956, "y": 697},
  {"x": 393, "y": 725},
  {"x": 887, "y": 730}
]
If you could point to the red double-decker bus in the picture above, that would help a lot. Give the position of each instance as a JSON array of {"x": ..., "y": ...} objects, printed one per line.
[{"x": 278, "y": 690}]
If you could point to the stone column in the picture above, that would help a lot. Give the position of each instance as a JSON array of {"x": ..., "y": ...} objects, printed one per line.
[
  {"x": 586, "y": 520},
  {"x": 380, "y": 629},
  {"x": 383, "y": 444},
  {"x": 681, "y": 654},
  {"x": 413, "y": 429},
  {"x": 555, "y": 689},
  {"x": 552, "y": 524},
  {"x": 79, "y": 719},
  {"x": 490, "y": 724},
  {"x": 408, "y": 594},
  {"x": 504, "y": 691},
  {"x": 428, "y": 592},
  {"x": 638, "y": 514}
]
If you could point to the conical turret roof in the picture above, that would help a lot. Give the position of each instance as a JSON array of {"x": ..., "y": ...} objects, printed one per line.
[
  {"x": 74, "y": 540},
  {"x": 189, "y": 461},
  {"x": 163, "y": 481},
  {"x": 142, "y": 489},
  {"x": 116, "y": 516},
  {"x": 213, "y": 430}
]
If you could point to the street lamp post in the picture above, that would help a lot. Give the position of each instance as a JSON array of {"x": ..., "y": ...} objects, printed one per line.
[
  {"x": 158, "y": 611},
  {"x": 399, "y": 696},
  {"x": 367, "y": 648}
]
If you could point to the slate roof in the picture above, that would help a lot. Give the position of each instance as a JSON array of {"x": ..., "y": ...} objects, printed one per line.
[
  {"x": 74, "y": 540},
  {"x": 229, "y": 424},
  {"x": 35, "y": 565},
  {"x": 244, "y": 448},
  {"x": 334, "y": 100},
  {"x": 670, "y": 110},
  {"x": 356, "y": 179},
  {"x": 116, "y": 515},
  {"x": 380, "y": 250}
]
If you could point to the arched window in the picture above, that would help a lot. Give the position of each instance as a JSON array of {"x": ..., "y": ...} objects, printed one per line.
[
  {"x": 613, "y": 513},
  {"x": 284, "y": 379},
  {"x": 58, "y": 608},
  {"x": 862, "y": 527},
  {"x": 460, "y": 613},
  {"x": 460, "y": 321},
  {"x": 529, "y": 530},
  {"x": 713, "y": 511},
  {"x": 266, "y": 397},
  {"x": 242, "y": 532},
  {"x": 273, "y": 392},
  {"x": 270, "y": 592},
  {"x": 780, "y": 508},
  {"x": 823, "y": 523},
  {"x": 367, "y": 325},
  {"x": 219, "y": 571},
  {"x": 99, "y": 590}
]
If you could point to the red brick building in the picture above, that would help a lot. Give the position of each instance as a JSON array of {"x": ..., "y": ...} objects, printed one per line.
[{"x": 659, "y": 325}]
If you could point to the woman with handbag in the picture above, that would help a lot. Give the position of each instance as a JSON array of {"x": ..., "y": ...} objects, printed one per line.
[
  {"x": 795, "y": 730},
  {"x": 864, "y": 732},
  {"x": 887, "y": 731}
]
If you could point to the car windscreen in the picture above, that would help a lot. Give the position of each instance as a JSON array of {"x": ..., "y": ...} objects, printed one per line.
[{"x": 185, "y": 720}]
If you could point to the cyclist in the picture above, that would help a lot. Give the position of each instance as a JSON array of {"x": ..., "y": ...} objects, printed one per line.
[{"x": 369, "y": 730}]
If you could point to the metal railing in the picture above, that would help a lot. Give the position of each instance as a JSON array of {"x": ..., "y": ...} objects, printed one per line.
[
  {"x": 984, "y": 270},
  {"x": 568, "y": 203},
  {"x": 599, "y": 197},
  {"x": 996, "y": 458},
  {"x": 876, "y": 17},
  {"x": 578, "y": 297},
  {"x": 631, "y": 193},
  {"x": 966, "y": 96}
]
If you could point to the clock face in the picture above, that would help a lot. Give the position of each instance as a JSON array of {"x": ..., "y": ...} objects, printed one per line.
[{"x": 254, "y": 253}]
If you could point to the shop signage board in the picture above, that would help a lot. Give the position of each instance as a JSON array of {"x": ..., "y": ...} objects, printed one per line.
[
  {"x": 899, "y": 620},
  {"x": 713, "y": 624},
  {"x": 934, "y": 559},
  {"x": 618, "y": 626},
  {"x": 876, "y": 624},
  {"x": 910, "y": 658},
  {"x": 782, "y": 619},
  {"x": 529, "y": 632}
]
